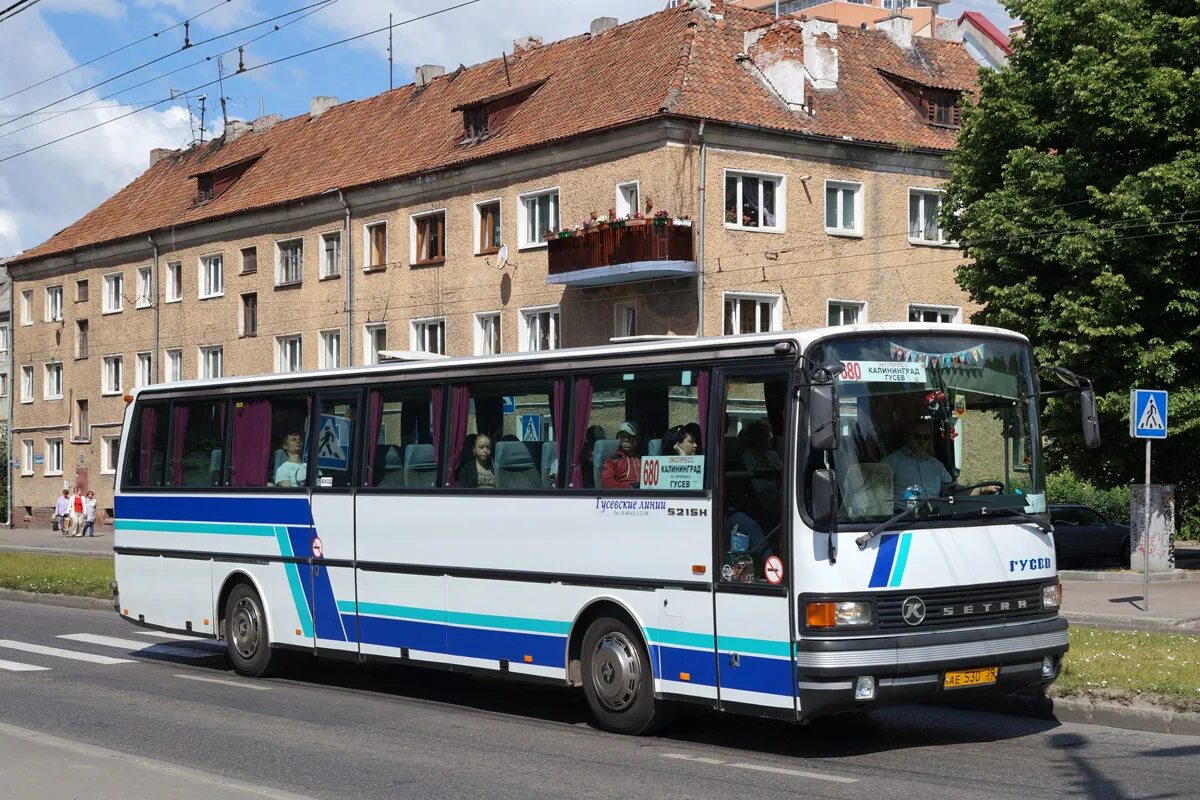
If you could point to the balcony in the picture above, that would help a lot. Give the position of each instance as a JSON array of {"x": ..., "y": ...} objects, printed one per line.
[{"x": 634, "y": 250}]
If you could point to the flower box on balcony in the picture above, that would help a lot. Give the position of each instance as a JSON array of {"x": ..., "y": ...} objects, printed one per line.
[
  {"x": 634, "y": 223},
  {"x": 682, "y": 223}
]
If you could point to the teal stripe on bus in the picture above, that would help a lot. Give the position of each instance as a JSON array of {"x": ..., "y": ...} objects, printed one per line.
[
  {"x": 217, "y": 528},
  {"x": 293, "y": 574},
  {"x": 762, "y": 647},
  {"x": 457, "y": 617}
]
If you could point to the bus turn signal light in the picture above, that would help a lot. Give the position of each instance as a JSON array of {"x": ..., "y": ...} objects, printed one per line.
[
  {"x": 821, "y": 615},
  {"x": 837, "y": 614}
]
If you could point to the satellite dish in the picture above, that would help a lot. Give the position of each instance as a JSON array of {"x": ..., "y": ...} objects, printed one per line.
[{"x": 502, "y": 257}]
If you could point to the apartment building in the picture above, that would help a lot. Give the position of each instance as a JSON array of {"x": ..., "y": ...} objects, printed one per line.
[{"x": 706, "y": 169}]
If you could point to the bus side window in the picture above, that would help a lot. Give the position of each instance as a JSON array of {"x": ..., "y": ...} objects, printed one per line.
[
  {"x": 198, "y": 441},
  {"x": 504, "y": 435},
  {"x": 146, "y": 452},
  {"x": 335, "y": 441},
  {"x": 400, "y": 443},
  {"x": 270, "y": 441}
]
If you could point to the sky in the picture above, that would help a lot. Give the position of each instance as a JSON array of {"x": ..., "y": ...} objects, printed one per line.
[{"x": 57, "y": 77}]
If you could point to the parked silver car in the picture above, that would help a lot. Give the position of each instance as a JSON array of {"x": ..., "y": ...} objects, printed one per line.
[{"x": 1081, "y": 532}]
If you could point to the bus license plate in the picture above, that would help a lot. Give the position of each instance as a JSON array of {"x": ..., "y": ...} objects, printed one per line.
[{"x": 962, "y": 678}]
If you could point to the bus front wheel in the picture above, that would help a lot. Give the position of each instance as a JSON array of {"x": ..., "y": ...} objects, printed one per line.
[
  {"x": 246, "y": 635},
  {"x": 618, "y": 680}
]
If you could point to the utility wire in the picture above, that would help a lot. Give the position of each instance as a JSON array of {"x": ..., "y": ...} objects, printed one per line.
[{"x": 19, "y": 6}]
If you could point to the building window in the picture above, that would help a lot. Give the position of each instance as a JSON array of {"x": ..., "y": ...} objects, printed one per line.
[
  {"x": 174, "y": 288},
  {"x": 289, "y": 353},
  {"x": 54, "y": 456},
  {"x": 113, "y": 375},
  {"x": 3, "y": 385},
  {"x": 143, "y": 367},
  {"x": 487, "y": 334},
  {"x": 330, "y": 356},
  {"x": 934, "y": 313},
  {"x": 753, "y": 313},
  {"x": 754, "y": 202},
  {"x": 429, "y": 238},
  {"x": 539, "y": 329},
  {"x": 847, "y": 312},
  {"x": 81, "y": 290},
  {"x": 538, "y": 216},
  {"x": 174, "y": 365},
  {"x": 331, "y": 255},
  {"x": 625, "y": 319},
  {"x": 114, "y": 293},
  {"x": 212, "y": 278},
  {"x": 843, "y": 208},
  {"x": 628, "y": 199},
  {"x": 52, "y": 388},
  {"x": 249, "y": 260},
  {"x": 27, "y": 456},
  {"x": 376, "y": 245},
  {"x": 3, "y": 338},
  {"x": 250, "y": 314},
  {"x": 110, "y": 448},
  {"x": 144, "y": 289},
  {"x": 487, "y": 227},
  {"x": 212, "y": 362},
  {"x": 27, "y": 306},
  {"x": 374, "y": 340},
  {"x": 81, "y": 430},
  {"x": 289, "y": 262},
  {"x": 428, "y": 335},
  {"x": 82, "y": 328},
  {"x": 923, "y": 225},
  {"x": 54, "y": 303},
  {"x": 27, "y": 383}
]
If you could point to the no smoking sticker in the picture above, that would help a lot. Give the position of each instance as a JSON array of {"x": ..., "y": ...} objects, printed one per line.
[
  {"x": 318, "y": 548},
  {"x": 773, "y": 568}
]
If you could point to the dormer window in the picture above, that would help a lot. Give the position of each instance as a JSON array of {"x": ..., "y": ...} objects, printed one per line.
[
  {"x": 940, "y": 107},
  {"x": 484, "y": 117},
  {"x": 212, "y": 184}
]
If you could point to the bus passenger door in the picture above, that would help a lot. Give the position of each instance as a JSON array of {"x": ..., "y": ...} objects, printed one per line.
[
  {"x": 334, "y": 446},
  {"x": 754, "y": 444}
]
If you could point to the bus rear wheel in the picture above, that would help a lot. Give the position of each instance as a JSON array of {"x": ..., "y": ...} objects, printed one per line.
[
  {"x": 247, "y": 639},
  {"x": 617, "y": 679}
]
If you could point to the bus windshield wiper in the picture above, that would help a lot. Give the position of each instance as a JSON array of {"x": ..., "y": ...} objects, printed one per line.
[
  {"x": 1042, "y": 521},
  {"x": 907, "y": 513}
]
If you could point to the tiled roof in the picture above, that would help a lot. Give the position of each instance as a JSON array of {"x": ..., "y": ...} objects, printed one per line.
[{"x": 678, "y": 62}]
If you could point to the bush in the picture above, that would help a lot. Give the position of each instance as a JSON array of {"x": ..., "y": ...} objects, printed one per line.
[{"x": 1065, "y": 486}]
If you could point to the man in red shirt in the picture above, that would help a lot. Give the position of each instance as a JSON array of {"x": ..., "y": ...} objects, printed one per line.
[
  {"x": 623, "y": 470},
  {"x": 76, "y": 517}
]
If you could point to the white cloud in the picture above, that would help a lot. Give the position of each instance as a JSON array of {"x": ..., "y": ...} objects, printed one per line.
[{"x": 109, "y": 9}]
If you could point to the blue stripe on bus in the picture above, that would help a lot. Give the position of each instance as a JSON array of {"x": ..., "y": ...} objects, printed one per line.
[
  {"x": 700, "y": 666},
  {"x": 901, "y": 560},
  {"x": 756, "y": 674},
  {"x": 190, "y": 508},
  {"x": 885, "y": 555}
]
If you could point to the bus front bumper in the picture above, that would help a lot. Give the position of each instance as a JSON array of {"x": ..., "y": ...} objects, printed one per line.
[{"x": 913, "y": 667}]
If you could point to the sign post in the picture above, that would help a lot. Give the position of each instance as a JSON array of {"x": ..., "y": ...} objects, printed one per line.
[{"x": 1147, "y": 420}]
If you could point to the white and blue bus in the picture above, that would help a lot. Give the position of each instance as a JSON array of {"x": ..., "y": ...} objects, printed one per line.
[{"x": 783, "y": 524}]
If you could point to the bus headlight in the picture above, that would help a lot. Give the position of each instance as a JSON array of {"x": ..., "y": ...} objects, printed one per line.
[
  {"x": 837, "y": 614},
  {"x": 1052, "y": 596}
]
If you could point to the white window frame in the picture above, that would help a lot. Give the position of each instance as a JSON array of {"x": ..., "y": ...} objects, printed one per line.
[
  {"x": 3, "y": 384},
  {"x": 780, "y": 200},
  {"x": 27, "y": 306},
  {"x": 174, "y": 287},
  {"x": 370, "y": 352},
  {"x": 27, "y": 456},
  {"x": 143, "y": 366},
  {"x": 622, "y": 206},
  {"x": 54, "y": 307},
  {"x": 109, "y": 453},
  {"x": 331, "y": 270},
  {"x": 367, "y": 228},
  {"x": 477, "y": 223},
  {"x": 412, "y": 235},
  {"x": 279, "y": 262},
  {"x": 48, "y": 387},
  {"x": 54, "y": 447},
  {"x": 323, "y": 355},
  {"x": 842, "y": 186},
  {"x": 482, "y": 339},
  {"x": 523, "y": 215},
  {"x": 173, "y": 359},
  {"x": 145, "y": 288},
  {"x": 211, "y": 262},
  {"x": 107, "y": 386},
  {"x": 621, "y": 312},
  {"x": 4, "y": 330},
  {"x": 955, "y": 312},
  {"x": 527, "y": 315},
  {"x": 27, "y": 383},
  {"x": 418, "y": 335},
  {"x": 923, "y": 192},
  {"x": 114, "y": 293},
  {"x": 861, "y": 305},
  {"x": 283, "y": 351},
  {"x": 776, "y": 301},
  {"x": 206, "y": 357}
]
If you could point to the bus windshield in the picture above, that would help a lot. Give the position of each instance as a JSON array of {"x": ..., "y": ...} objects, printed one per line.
[{"x": 945, "y": 425}]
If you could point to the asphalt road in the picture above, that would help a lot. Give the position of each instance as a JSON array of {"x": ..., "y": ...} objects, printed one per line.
[{"x": 331, "y": 730}]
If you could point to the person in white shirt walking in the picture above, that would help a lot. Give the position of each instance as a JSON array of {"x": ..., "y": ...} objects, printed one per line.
[
  {"x": 62, "y": 507},
  {"x": 89, "y": 513}
]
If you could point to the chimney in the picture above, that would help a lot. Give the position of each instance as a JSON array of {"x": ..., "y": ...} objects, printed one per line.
[
  {"x": 791, "y": 51},
  {"x": 265, "y": 122},
  {"x": 320, "y": 104},
  {"x": 158, "y": 153},
  {"x": 525, "y": 44},
  {"x": 427, "y": 72},
  {"x": 235, "y": 129},
  {"x": 602, "y": 24},
  {"x": 898, "y": 28}
]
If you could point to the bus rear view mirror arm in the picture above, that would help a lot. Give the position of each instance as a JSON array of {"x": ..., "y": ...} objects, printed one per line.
[{"x": 1088, "y": 421}]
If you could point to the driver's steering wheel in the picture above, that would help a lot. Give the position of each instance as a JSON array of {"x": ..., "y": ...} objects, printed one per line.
[{"x": 997, "y": 486}]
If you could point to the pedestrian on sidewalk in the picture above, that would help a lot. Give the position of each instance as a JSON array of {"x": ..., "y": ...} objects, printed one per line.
[
  {"x": 61, "y": 508},
  {"x": 89, "y": 513},
  {"x": 76, "y": 519}
]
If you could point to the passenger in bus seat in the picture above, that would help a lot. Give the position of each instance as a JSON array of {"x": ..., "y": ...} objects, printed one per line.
[
  {"x": 680, "y": 441},
  {"x": 694, "y": 429},
  {"x": 623, "y": 470},
  {"x": 478, "y": 472},
  {"x": 294, "y": 471}
]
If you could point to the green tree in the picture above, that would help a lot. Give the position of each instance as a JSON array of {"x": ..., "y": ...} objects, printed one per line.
[{"x": 1076, "y": 192}]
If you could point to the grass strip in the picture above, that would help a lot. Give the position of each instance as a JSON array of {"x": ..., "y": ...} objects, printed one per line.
[
  {"x": 53, "y": 574},
  {"x": 1162, "y": 668}
]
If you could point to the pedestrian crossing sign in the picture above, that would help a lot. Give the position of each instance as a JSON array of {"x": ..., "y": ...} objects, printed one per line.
[{"x": 1148, "y": 414}]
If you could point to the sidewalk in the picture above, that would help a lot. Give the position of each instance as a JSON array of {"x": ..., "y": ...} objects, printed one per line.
[
  {"x": 1174, "y": 604},
  {"x": 48, "y": 542}
]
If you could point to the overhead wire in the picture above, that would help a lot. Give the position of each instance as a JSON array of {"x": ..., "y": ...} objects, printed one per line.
[{"x": 17, "y": 8}]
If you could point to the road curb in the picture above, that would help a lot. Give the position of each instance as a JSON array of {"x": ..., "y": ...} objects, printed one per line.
[
  {"x": 1127, "y": 623},
  {"x": 1127, "y": 577},
  {"x": 1091, "y": 712},
  {"x": 64, "y": 600},
  {"x": 55, "y": 551}
]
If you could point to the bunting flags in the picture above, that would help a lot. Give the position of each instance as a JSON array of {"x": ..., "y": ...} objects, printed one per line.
[{"x": 972, "y": 357}]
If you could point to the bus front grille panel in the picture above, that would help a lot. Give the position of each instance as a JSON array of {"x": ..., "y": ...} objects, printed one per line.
[{"x": 963, "y": 605}]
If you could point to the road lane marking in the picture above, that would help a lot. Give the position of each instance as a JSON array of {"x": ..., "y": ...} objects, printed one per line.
[
  {"x": 74, "y": 655},
  {"x": 146, "y": 648},
  {"x": 797, "y": 773},
  {"x": 16, "y": 666},
  {"x": 685, "y": 757},
  {"x": 225, "y": 683}
]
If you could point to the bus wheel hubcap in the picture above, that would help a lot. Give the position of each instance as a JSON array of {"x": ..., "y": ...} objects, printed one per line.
[
  {"x": 616, "y": 671},
  {"x": 246, "y": 627}
]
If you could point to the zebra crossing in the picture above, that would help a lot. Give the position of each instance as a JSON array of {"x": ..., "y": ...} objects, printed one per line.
[{"x": 151, "y": 645}]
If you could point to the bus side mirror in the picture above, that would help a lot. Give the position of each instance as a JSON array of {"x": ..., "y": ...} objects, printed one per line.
[
  {"x": 823, "y": 424},
  {"x": 1088, "y": 419},
  {"x": 824, "y": 499}
]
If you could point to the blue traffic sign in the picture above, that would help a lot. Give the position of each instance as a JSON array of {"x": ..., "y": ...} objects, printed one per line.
[
  {"x": 510, "y": 404},
  {"x": 1148, "y": 414},
  {"x": 531, "y": 427}
]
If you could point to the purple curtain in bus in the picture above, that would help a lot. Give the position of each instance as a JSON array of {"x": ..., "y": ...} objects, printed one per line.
[
  {"x": 374, "y": 421},
  {"x": 251, "y": 443},
  {"x": 181, "y": 420},
  {"x": 583, "y": 412},
  {"x": 702, "y": 403},
  {"x": 146, "y": 445},
  {"x": 557, "y": 403},
  {"x": 460, "y": 403}
]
